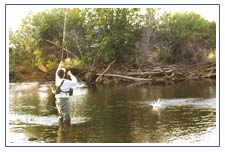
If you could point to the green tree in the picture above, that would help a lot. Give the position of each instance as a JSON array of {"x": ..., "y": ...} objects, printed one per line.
[
  {"x": 93, "y": 36},
  {"x": 187, "y": 37},
  {"x": 114, "y": 30}
]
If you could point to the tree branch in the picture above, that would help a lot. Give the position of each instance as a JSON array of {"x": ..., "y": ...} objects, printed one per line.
[
  {"x": 61, "y": 47},
  {"x": 108, "y": 67}
]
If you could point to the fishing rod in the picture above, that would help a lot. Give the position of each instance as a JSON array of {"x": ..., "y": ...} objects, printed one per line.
[{"x": 64, "y": 34}]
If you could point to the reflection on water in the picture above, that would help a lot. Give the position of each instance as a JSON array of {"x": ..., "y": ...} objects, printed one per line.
[{"x": 180, "y": 113}]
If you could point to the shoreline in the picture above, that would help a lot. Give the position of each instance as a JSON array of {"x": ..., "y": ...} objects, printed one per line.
[{"x": 116, "y": 74}]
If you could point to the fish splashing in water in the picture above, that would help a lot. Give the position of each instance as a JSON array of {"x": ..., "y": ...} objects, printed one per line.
[{"x": 156, "y": 105}]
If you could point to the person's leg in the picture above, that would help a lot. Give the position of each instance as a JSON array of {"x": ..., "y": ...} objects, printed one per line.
[
  {"x": 58, "y": 103},
  {"x": 65, "y": 110}
]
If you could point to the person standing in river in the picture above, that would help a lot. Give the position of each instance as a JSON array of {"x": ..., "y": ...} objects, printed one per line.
[{"x": 62, "y": 98}]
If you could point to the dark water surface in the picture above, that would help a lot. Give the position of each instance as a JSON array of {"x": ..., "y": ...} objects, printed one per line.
[{"x": 180, "y": 113}]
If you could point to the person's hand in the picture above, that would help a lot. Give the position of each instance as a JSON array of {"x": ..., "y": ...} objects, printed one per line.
[
  {"x": 61, "y": 64},
  {"x": 69, "y": 73}
]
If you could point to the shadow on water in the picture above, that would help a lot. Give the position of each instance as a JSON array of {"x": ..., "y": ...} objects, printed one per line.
[{"x": 186, "y": 113}]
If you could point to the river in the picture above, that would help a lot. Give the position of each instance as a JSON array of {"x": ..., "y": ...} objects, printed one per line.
[{"x": 181, "y": 113}]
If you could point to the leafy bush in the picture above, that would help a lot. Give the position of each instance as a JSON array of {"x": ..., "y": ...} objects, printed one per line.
[{"x": 187, "y": 37}]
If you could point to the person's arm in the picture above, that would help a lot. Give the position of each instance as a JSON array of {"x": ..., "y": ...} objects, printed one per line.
[
  {"x": 60, "y": 66},
  {"x": 73, "y": 81}
]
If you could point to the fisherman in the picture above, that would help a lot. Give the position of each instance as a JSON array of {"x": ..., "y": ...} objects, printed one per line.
[{"x": 62, "y": 99}]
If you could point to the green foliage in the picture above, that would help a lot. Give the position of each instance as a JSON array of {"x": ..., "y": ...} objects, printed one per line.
[
  {"x": 70, "y": 62},
  {"x": 39, "y": 60},
  {"x": 100, "y": 35},
  {"x": 186, "y": 25},
  {"x": 48, "y": 25},
  {"x": 186, "y": 36},
  {"x": 111, "y": 32}
]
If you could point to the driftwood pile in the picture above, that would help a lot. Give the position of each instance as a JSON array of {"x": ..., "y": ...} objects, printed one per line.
[{"x": 159, "y": 74}]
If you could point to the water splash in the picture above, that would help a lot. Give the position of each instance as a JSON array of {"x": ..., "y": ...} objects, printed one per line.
[
  {"x": 156, "y": 105},
  {"x": 194, "y": 102}
]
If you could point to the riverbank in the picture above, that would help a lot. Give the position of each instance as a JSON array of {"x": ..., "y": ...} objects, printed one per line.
[
  {"x": 114, "y": 74},
  {"x": 154, "y": 74}
]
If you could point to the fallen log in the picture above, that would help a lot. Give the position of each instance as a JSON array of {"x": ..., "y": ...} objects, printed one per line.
[
  {"x": 125, "y": 77},
  {"x": 153, "y": 74}
]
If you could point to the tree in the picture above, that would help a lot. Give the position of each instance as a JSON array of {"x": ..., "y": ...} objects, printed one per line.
[
  {"x": 187, "y": 37},
  {"x": 115, "y": 31}
]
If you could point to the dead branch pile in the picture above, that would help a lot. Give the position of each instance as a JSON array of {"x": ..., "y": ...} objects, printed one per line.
[{"x": 163, "y": 73}]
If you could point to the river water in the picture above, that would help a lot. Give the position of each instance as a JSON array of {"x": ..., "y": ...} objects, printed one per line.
[{"x": 181, "y": 113}]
